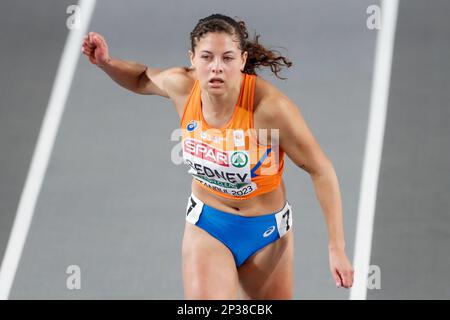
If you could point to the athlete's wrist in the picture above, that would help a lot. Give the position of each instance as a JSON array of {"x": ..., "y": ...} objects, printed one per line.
[
  {"x": 336, "y": 246},
  {"x": 105, "y": 63}
]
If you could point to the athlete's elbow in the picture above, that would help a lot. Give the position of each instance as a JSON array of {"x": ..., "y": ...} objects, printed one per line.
[
  {"x": 318, "y": 167},
  {"x": 141, "y": 83}
]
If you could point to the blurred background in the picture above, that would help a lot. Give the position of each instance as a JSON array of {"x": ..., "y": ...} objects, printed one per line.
[{"x": 110, "y": 206}]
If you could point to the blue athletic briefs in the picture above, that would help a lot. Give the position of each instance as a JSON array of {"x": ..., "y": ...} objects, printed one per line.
[{"x": 242, "y": 235}]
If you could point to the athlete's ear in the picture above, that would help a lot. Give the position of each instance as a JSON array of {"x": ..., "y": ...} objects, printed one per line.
[
  {"x": 191, "y": 57},
  {"x": 244, "y": 60}
]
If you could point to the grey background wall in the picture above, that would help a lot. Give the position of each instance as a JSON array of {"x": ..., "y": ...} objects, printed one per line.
[
  {"x": 411, "y": 232},
  {"x": 31, "y": 40}
]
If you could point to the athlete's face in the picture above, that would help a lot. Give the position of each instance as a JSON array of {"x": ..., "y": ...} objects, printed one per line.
[{"x": 217, "y": 55}]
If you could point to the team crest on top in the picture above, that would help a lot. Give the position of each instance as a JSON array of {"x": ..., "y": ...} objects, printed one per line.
[
  {"x": 191, "y": 126},
  {"x": 239, "y": 140}
]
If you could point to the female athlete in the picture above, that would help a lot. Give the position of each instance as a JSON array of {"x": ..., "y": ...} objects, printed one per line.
[{"x": 236, "y": 128}]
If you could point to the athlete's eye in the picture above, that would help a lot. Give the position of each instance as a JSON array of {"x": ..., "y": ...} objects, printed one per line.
[{"x": 228, "y": 58}]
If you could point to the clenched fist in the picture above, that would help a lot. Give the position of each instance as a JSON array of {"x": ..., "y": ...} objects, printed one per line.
[{"x": 95, "y": 49}]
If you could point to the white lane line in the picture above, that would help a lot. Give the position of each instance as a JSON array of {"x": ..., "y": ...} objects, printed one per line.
[
  {"x": 374, "y": 147},
  {"x": 43, "y": 149}
]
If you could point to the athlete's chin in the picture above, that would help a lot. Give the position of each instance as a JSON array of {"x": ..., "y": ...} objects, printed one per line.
[{"x": 216, "y": 90}]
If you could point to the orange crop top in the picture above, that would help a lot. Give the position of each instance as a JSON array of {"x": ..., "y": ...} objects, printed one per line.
[{"x": 230, "y": 161}]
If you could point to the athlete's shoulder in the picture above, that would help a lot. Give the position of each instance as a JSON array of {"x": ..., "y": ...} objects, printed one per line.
[{"x": 268, "y": 100}]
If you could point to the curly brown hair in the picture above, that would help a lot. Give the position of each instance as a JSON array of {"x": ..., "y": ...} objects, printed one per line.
[{"x": 258, "y": 55}]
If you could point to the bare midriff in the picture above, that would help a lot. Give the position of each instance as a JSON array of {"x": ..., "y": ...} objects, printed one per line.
[{"x": 262, "y": 204}]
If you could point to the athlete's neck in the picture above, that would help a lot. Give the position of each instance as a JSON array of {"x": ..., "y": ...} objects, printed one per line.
[{"x": 220, "y": 105}]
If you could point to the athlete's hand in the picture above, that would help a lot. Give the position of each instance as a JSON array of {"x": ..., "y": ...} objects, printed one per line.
[
  {"x": 341, "y": 268},
  {"x": 95, "y": 49}
]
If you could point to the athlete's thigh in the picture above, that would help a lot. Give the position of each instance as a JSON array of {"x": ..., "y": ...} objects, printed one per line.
[
  {"x": 268, "y": 274},
  {"x": 209, "y": 270}
]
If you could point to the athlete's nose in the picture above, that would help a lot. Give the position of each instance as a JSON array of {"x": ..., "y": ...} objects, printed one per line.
[{"x": 217, "y": 66}]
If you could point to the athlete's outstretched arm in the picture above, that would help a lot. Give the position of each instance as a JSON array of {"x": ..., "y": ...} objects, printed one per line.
[
  {"x": 297, "y": 141},
  {"x": 130, "y": 75}
]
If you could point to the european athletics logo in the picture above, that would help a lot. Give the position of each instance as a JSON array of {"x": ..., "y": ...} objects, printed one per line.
[{"x": 191, "y": 126}]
